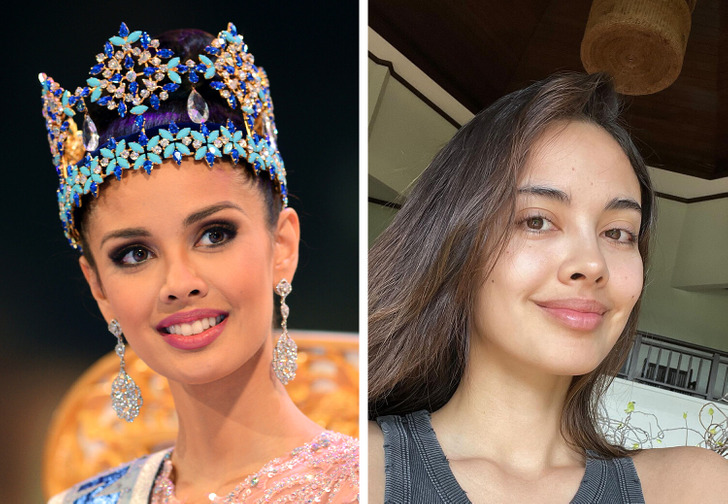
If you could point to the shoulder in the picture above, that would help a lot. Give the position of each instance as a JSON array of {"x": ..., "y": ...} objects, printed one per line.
[
  {"x": 127, "y": 480},
  {"x": 680, "y": 474},
  {"x": 376, "y": 463}
]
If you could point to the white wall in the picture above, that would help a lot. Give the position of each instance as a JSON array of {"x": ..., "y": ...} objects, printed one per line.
[{"x": 699, "y": 317}]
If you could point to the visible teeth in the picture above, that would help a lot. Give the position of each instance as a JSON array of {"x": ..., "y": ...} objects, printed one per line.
[{"x": 195, "y": 327}]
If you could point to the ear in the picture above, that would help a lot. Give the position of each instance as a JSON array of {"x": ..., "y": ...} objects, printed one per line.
[
  {"x": 285, "y": 246},
  {"x": 97, "y": 291}
]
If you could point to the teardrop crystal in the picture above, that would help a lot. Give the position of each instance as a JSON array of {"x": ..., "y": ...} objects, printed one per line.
[
  {"x": 90, "y": 135},
  {"x": 270, "y": 132},
  {"x": 197, "y": 107}
]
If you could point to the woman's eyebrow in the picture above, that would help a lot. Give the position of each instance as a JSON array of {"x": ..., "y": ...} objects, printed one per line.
[
  {"x": 548, "y": 192},
  {"x": 125, "y": 233},
  {"x": 207, "y": 211},
  {"x": 623, "y": 204}
]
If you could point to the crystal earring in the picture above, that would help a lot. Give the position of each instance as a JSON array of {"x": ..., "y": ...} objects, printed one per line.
[
  {"x": 285, "y": 351},
  {"x": 126, "y": 398}
]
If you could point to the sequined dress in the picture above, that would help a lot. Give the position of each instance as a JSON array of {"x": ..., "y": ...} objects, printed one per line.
[{"x": 326, "y": 470}]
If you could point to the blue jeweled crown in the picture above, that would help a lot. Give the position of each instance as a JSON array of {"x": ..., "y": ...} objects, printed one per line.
[{"x": 133, "y": 75}]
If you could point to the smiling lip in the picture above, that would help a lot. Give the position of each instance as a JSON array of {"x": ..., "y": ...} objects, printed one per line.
[
  {"x": 196, "y": 341},
  {"x": 580, "y": 314}
]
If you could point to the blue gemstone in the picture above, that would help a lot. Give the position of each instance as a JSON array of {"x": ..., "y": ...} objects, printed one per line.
[
  {"x": 147, "y": 166},
  {"x": 85, "y": 91},
  {"x": 234, "y": 154},
  {"x": 143, "y": 140},
  {"x": 154, "y": 101},
  {"x": 173, "y": 128},
  {"x": 181, "y": 69},
  {"x": 122, "y": 109},
  {"x": 231, "y": 126},
  {"x": 72, "y": 100},
  {"x": 117, "y": 172},
  {"x": 233, "y": 102},
  {"x": 239, "y": 60},
  {"x": 108, "y": 49},
  {"x": 212, "y": 50},
  {"x": 232, "y": 29},
  {"x": 75, "y": 198},
  {"x": 210, "y": 158},
  {"x": 94, "y": 188},
  {"x": 149, "y": 71},
  {"x": 200, "y": 68},
  {"x": 128, "y": 62},
  {"x": 64, "y": 126},
  {"x": 251, "y": 122},
  {"x": 229, "y": 69},
  {"x": 145, "y": 40},
  {"x": 116, "y": 78},
  {"x": 111, "y": 144},
  {"x": 105, "y": 100},
  {"x": 96, "y": 69},
  {"x": 123, "y": 30},
  {"x": 193, "y": 77},
  {"x": 165, "y": 53},
  {"x": 177, "y": 155},
  {"x": 139, "y": 122},
  {"x": 171, "y": 87},
  {"x": 256, "y": 165},
  {"x": 133, "y": 86},
  {"x": 204, "y": 130},
  {"x": 217, "y": 85}
]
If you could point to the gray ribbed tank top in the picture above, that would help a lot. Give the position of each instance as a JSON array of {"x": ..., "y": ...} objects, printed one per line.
[{"x": 417, "y": 470}]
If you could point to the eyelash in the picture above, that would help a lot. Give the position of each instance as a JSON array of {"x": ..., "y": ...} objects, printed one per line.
[
  {"x": 228, "y": 229},
  {"x": 631, "y": 237},
  {"x": 119, "y": 255}
]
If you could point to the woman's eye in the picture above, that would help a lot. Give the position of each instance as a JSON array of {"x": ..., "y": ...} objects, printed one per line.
[
  {"x": 620, "y": 235},
  {"x": 537, "y": 223},
  {"x": 132, "y": 256},
  {"x": 215, "y": 236}
]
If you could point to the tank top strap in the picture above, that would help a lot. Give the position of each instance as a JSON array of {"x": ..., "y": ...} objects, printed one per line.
[
  {"x": 609, "y": 481},
  {"x": 416, "y": 469}
]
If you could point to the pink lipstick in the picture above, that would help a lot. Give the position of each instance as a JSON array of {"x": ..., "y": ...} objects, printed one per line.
[
  {"x": 193, "y": 329},
  {"x": 579, "y": 314}
]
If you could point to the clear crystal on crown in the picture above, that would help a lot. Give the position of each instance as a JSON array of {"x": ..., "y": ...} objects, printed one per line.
[
  {"x": 197, "y": 107},
  {"x": 90, "y": 135}
]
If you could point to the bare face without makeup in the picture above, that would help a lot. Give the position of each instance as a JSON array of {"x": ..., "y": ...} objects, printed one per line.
[
  {"x": 186, "y": 261},
  {"x": 563, "y": 289}
]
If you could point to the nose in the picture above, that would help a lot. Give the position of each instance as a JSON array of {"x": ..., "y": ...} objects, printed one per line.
[
  {"x": 181, "y": 281},
  {"x": 585, "y": 262}
]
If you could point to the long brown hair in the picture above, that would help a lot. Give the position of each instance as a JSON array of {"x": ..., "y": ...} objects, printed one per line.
[{"x": 426, "y": 268}]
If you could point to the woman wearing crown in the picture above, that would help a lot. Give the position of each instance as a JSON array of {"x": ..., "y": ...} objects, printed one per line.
[{"x": 175, "y": 194}]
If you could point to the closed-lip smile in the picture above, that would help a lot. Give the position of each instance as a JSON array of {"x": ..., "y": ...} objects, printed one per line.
[{"x": 575, "y": 313}]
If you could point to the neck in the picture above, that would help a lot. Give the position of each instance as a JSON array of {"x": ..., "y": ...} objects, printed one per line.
[
  {"x": 507, "y": 412},
  {"x": 226, "y": 431}
]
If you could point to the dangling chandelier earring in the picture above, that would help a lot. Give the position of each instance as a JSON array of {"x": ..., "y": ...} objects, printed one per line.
[
  {"x": 285, "y": 351},
  {"x": 126, "y": 398}
]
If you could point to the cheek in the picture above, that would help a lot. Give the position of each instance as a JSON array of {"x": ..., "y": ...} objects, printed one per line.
[{"x": 627, "y": 280}]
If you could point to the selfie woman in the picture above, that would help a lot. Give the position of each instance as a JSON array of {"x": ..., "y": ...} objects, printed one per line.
[
  {"x": 503, "y": 299},
  {"x": 173, "y": 190}
]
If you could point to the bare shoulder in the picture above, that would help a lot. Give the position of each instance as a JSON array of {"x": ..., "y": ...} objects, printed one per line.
[
  {"x": 376, "y": 464},
  {"x": 680, "y": 474}
]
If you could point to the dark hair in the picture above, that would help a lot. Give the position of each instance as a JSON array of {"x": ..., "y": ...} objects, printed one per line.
[
  {"x": 426, "y": 268},
  {"x": 186, "y": 44}
]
